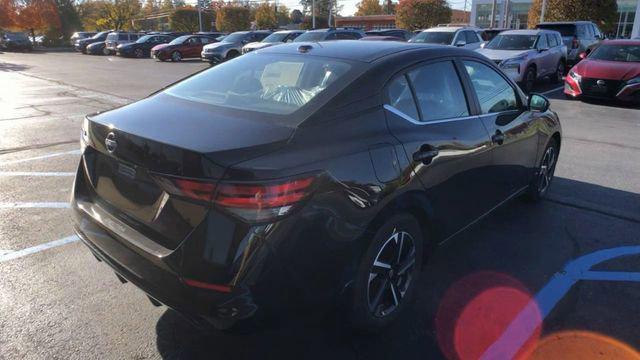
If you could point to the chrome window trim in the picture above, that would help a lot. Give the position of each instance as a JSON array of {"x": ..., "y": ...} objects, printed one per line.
[{"x": 417, "y": 122}]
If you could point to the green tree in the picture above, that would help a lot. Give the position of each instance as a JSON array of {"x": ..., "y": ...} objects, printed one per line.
[
  {"x": 166, "y": 5},
  {"x": 421, "y": 14},
  {"x": 186, "y": 19},
  {"x": 149, "y": 7},
  {"x": 233, "y": 18},
  {"x": 369, "y": 7},
  {"x": 69, "y": 18},
  {"x": 266, "y": 16},
  {"x": 602, "y": 12},
  {"x": 283, "y": 15},
  {"x": 90, "y": 13},
  {"x": 117, "y": 15}
]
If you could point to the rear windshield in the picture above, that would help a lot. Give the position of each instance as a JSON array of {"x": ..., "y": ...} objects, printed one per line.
[
  {"x": 311, "y": 36},
  {"x": 623, "y": 53},
  {"x": 112, "y": 37},
  {"x": 563, "y": 29},
  {"x": 512, "y": 42},
  {"x": 268, "y": 83},
  {"x": 434, "y": 37}
]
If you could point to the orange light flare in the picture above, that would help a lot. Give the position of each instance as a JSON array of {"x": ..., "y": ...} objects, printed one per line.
[
  {"x": 477, "y": 309},
  {"x": 586, "y": 345}
]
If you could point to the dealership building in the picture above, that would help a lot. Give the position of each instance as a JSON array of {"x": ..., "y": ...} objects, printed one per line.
[{"x": 516, "y": 12}]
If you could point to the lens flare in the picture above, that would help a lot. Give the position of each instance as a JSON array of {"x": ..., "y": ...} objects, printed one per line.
[{"x": 582, "y": 345}]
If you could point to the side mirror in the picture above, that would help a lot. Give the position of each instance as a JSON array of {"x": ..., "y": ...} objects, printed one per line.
[
  {"x": 461, "y": 43},
  {"x": 538, "y": 103},
  {"x": 582, "y": 55},
  {"x": 543, "y": 49}
]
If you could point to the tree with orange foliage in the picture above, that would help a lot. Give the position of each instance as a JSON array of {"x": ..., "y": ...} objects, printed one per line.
[
  {"x": 39, "y": 15},
  {"x": 7, "y": 14}
]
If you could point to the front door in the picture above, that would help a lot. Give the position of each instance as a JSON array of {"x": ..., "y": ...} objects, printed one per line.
[
  {"x": 449, "y": 149},
  {"x": 509, "y": 123}
]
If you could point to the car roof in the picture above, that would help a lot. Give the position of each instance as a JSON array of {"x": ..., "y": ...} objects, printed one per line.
[
  {"x": 288, "y": 31},
  {"x": 565, "y": 22},
  {"x": 525, "y": 32},
  {"x": 334, "y": 29},
  {"x": 633, "y": 42},
  {"x": 355, "y": 50},
  {"x": 444, "y": 29}
]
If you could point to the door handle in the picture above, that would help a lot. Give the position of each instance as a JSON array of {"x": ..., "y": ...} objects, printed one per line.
[
  {"x": 425, "y": 155},
  {"x": 498, "y": 137}
]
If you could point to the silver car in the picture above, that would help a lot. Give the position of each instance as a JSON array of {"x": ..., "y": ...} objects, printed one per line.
[
  {"x": 461, "y": 36},
  {"x": 528, "y": 55},
  {"x": 276, "y": 38},
  {"x": 118, "y": 38},
  {"x": 579, "y": 36}
]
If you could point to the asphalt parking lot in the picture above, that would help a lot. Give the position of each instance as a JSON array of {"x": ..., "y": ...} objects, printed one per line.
[{"x": 565, "y": 271}]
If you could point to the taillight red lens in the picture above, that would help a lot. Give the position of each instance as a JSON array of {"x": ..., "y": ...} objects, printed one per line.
[{"x": 250, "y": 201}]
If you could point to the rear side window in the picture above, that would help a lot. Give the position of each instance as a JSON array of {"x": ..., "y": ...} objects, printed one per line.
[
  {"x": 438, "y": 91},
  {"x": 123, "y": 37},
  {"x": 401, "y": 97},
  {"x": 494, "y": 92},
  {"x": 112, "y": 37},
  {"x": 347, "y": 36}
]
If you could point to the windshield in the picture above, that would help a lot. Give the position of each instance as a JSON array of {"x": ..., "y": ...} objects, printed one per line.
[
  {"x": 512, "y": 42},
  {"x": 622, "y": 53},
  {"x": 563, "y": 29},
  {"x": 235, "y": 37},
  {"x": 275, "y": 37},
  {"x": 272, "y": 84},
  {"x": 16, "y": 36},
  {"x": 434, "y": 37},
  {"x": 312, "y": 36},
  {"x": 100, "y": 35},
  {"x": 179, "y": 40},
  {"x": 144, "y": 39}
]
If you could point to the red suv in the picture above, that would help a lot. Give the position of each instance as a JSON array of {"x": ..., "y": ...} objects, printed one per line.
[{"x": 187, "y": 46}]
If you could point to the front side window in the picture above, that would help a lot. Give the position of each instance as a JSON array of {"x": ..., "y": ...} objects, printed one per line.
[
  {"x": 401, "y": 97},
  {"x": 542, "y": 42},
  {"x": 494, "y": 92},
  {"x": 273, "y": 84},
  {"x": 438, "y": 91}
]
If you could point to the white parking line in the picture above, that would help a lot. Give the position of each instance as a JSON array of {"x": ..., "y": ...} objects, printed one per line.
[
  {"x": 35, "y": 249},
  {"x": 73, "y": 152},
  {"x": 40, "y": 205},
  {"x": 553, "y": 90},
  {"x": 27, "y": 173}
]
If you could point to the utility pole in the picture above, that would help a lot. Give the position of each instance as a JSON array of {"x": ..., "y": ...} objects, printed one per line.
[
  {"x": 543, "y": 10},
  {"x": 200, "y": 14},
  {"x": 505, "y": 14},
  {"x": 313, "y": 14},
  {"x": 493, "y": 15}
]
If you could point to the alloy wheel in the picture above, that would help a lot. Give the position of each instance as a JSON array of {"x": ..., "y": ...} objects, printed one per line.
[
  {"x": 547, "y": 168},
  {"x": 391, "y": 273},
  {"x": 138, "y": 53},
  {"x": 176, "y": 56}
]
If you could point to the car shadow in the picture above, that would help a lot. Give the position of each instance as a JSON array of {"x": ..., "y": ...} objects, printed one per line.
[
  {"x": 9, "y": 67},
  {"x": 503, "y": 259}
]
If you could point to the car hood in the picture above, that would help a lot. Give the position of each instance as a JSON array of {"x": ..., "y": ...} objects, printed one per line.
[
  {"x": 219, "y": 45},
  {"x": 610, "y": 70},
  {"x": 495, "y": 54},
  {"x": 258, "y": 45},
  {"x": 160, "y": 47}
]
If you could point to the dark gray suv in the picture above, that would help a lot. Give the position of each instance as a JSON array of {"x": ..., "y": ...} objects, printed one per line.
[{"x": 579, "y": 36}]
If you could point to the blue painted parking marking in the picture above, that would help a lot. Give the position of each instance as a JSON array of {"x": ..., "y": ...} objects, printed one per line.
[{"x": 523, "y": 327}]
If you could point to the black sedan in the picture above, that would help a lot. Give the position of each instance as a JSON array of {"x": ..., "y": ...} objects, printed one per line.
[
  {"x": 81, "y": 44},
  {"x": 142, "y": 47},
  {"x": 307, "y": 174},
  {"x": 96, "y": 48}
]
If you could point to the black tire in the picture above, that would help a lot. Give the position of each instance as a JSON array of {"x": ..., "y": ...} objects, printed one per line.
[
  {"x": 106, "y": 51},
  {"x": 231, "y": 55},
  {"x": 529, "y": 79},
  {"x": 377, "y": 286},
  {"x": 557, "y": 77},
  {"x": 138, "y": 53},
  {"x": 543, "y": 177},
  {"x": 176, "y": 56}
]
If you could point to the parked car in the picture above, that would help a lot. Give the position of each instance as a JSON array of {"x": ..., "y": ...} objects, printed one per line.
[
  {"x": 465, "y": 37},
  {"x": 578, "y": 36},
  {"x": 307, "y": 178},
  {"x": 96, "y": 48},
  {"x": 15, "y": 41},
  {"x": 117, "y": 38},
  {"x": 81, "y": 44},
  {"x": 611, "y": 71},
  {"x": 330, "y": 34},
  {"x": 528, "y": 55},
  {"x": 381, "y": 38},
  {"x": 231, "y": 45},
  {"x": 275, "y": 38},
  {"x": 142, "y": 47},
  {"x": 183, "y": 47},
  {"x": 80, "y": 35},
  {"x": 399, "y": 33}
]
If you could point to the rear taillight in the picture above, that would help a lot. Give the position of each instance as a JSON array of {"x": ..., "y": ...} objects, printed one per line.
[
  {"x": 575, "y": 44},
  {"x": 253, "y": 202}
]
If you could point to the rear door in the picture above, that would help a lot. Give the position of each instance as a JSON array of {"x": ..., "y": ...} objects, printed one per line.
[
  {"x": 428, "y": 112},
  {"x": 513, "y": 138}
]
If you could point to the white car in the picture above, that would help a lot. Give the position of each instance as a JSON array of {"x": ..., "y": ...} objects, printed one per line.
[{"x": 461, "y": 36}]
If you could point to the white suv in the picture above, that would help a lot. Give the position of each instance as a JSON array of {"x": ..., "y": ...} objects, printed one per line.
[{"x": 461, "y": 36}]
